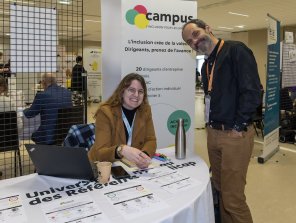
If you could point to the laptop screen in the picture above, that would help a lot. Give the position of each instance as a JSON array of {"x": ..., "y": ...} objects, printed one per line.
[{"x": 58, "y": 161}]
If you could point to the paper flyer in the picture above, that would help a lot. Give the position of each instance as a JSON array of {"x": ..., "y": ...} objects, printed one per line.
[
  {"x": 170, "y": 180},
  {"x": 80, "y": 209},
  {"x": 12, "y": 209},
  {"x": 135, "y": 201}
]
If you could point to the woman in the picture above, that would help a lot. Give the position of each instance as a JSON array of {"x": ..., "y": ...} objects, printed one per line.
[
  {"x": 124, "y": 126},
  {"x": 6, "y": 104}
]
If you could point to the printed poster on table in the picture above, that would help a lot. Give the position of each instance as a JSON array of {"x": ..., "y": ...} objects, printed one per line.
[
  {"x": 82, "y": 209},
  {"x": 12, "y": 209},
  {"x": 152, "y": 46},
  {"x": 134, "y": 201}
]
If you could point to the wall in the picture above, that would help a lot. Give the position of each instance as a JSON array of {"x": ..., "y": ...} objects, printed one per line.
[
  {"x": 256, "y": 40},
  {"x": 241, "y": 36},
  {"x": 73, "y": 48},
  {"x": 90, "y": 44},
  {"x": 258, "y": 44}
]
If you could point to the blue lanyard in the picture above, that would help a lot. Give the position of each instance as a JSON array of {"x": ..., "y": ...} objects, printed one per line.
[{"x": 128, "y": 128}]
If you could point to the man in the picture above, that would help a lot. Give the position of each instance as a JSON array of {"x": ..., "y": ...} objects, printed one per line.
[
  {"x": 77, "y": 83},
  {"x": 46, "y": 104},
  {"x": 232, "y": 94},
  {"x": 4, "y": 67}
]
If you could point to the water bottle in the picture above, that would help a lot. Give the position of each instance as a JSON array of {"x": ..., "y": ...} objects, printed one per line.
[{"x": 180, "y": 140}]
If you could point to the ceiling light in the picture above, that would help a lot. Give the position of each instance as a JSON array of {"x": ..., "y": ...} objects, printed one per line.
[
  {"x": 89, "y": 20},
  {"x": 65, "y": 2},
  {"x": 234, "y": 13},
  {"x": 22, "y": 2},
  {"x": 224, "y": 27},
  {"x": 75, "y": 28},
  {"x": 7, "y": 34},
  {"x": 241, "y": 26}
]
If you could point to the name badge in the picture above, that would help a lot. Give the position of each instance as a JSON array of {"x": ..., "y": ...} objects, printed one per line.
[{"x": 207, "y": 107}]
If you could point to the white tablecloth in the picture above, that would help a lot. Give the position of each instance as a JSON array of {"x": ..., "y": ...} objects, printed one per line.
[{"x": 188, "y": 205}]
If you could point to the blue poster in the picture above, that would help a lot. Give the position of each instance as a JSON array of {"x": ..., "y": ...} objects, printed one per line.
[{"x": 272, "y": 104}]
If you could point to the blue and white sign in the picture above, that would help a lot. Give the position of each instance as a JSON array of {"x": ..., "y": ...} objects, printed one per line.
[{"x": 272, "y": 103}]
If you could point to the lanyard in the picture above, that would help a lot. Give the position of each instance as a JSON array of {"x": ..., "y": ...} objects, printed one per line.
[
  {"x": 210, "y": 75},
  {"x": 128, "y": 128}
]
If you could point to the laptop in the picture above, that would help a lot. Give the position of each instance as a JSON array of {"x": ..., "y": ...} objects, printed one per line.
[{"x": 58, "y": 161}]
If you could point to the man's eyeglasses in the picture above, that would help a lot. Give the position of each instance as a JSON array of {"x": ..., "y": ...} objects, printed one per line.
[{"x": 133, "y": 91}]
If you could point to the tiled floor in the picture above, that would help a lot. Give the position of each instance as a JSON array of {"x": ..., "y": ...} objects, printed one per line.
[{"x": 271, "y": 186}]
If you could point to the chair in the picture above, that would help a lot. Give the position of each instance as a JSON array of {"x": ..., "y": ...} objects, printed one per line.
[
  {"x": 258, "y": 122},
  {"x": 286, "y": 102},
  {"x": 82, "y": 135},
  {"x": 9, "y": 139},
  {"x": 66, "y": 118},
  {"x": 288, "y": 112}
]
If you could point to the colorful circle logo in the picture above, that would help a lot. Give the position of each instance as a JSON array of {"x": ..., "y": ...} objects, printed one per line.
[{"x": 137, "y": 17}]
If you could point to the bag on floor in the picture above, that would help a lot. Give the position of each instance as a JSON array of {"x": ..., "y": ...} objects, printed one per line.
[{"x": 287, "y": 135}]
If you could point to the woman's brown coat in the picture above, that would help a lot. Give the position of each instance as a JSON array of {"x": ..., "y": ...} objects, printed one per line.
[{"x": 110, "y": 132}]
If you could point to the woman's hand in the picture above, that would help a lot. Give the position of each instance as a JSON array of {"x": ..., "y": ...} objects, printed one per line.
[{"x": 137, "y": 156}]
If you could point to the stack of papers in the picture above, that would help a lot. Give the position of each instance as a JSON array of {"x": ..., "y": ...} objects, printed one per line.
[{"x": 132, "y": 166}]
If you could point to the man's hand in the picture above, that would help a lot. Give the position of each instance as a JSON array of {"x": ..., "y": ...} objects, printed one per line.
[{"x": 235, "y": 133}]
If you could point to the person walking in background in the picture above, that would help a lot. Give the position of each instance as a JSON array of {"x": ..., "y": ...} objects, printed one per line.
[
  {"x": 77, "y": 83},
  {"x": 4, "y": 67},
  {"x": 46, "y": 104},
  {"x": 68, "y": 78},
  {"x": 124, "y": 125},
  {"x": 232, "y": 94}
]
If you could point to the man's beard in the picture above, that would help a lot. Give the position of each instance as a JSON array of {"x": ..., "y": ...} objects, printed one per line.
[{"x": 204, "y": 45}]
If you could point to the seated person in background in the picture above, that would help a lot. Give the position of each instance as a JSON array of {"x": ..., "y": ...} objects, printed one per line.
[
  {"x": 124, "y": 126},
  {"x": 46, "y": 104},
  {"x": 6, "y": 104}
]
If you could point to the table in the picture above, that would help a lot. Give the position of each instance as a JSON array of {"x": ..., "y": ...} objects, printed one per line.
[{"x": 36, "y": 198}]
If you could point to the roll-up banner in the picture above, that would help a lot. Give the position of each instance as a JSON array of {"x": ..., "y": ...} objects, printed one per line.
[
  {"x": 151, "y": 44},
  {"x": 92, "y": 64},
  {"x": 272, "y": 104}
]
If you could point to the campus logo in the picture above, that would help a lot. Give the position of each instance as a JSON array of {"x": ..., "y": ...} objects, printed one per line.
[{"x": 137, "y": 17}]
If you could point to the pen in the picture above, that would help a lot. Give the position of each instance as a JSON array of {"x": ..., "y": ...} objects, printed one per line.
[{"x": 160, "y": 158}]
